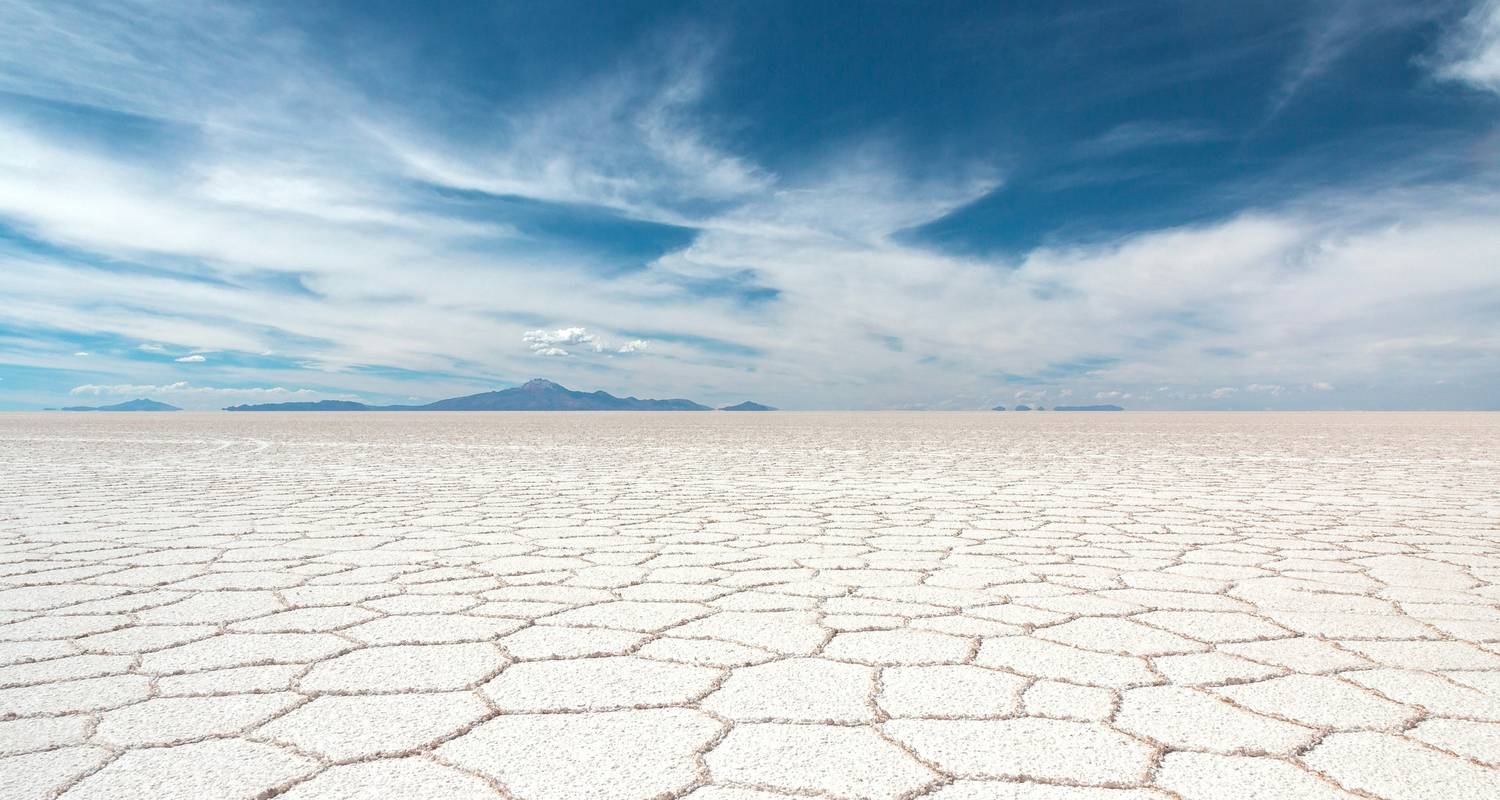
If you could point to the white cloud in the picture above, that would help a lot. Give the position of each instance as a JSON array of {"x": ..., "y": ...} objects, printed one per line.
[
  {"x": 1471, "y": 54},
  {"x": 152, "y": 348},
  {"x": 561, "y": 336},
  {"x": 553, "y": 342},
  {"x": 192, "y": 359},
  {"x": 1222, "y": 392},
  {"x": 81, "y": 354},
  {"x": 1322, "y": 386}
]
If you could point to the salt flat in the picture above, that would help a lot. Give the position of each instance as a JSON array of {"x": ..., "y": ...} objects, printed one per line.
[{"x": 725, "y": 607}]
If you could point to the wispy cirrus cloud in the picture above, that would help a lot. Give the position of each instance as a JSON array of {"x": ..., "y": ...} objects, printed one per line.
[
  {"x": 1144, "y": 134},
  {"x": 377, "y": 248},
  {"x": 627, "y": 139}
]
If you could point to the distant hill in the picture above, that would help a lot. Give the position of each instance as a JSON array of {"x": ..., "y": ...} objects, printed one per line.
[
  {"x": 748, "y": 405},
  {"x": 1000, "y": 408},
  {"x": 138, "y": 404},
  {"x": 544, "y": 395},
  {"x": 1023, "y": 407},
  {"x": 321, "y": 405},
  {"x": 1088, "y": 408},
  {"x": 534, "y": 395}
]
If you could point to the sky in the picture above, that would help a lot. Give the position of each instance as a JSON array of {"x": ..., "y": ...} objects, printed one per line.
[{"x": 816, "y": 205}]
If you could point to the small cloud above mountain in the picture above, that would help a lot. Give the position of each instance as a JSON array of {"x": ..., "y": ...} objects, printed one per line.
[
  {"x": 555, "y": 342},
  {"x": 567, "y": 341}
]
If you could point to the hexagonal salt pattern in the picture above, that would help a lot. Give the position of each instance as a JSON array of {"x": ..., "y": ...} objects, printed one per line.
[{"x": 750, "y": 607}]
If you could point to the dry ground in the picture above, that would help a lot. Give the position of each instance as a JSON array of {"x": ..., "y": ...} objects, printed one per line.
[{"x": 726, "y": 607}]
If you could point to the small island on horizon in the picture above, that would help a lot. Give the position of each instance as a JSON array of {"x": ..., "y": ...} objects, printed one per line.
[
  {"x": 748, "y": 405},
  {"x": 138, "y": 404}
]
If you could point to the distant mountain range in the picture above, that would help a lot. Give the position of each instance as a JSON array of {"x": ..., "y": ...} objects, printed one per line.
[
  {"x": 748, "y": 405},
  {"x": 321, "y": 405},
  {"x": 534, "y": 395},
  {"x": 544, "y": 395},
  {"x": 139, "y": 404}
]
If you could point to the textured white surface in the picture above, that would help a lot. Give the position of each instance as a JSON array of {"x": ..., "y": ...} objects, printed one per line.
[{"x": 743, "y": 607}]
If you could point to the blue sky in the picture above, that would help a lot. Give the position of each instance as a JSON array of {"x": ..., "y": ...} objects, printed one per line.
[{"x": 816, "y": 205}]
